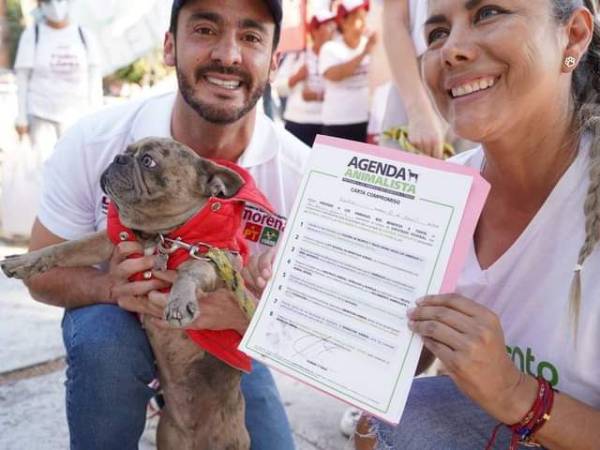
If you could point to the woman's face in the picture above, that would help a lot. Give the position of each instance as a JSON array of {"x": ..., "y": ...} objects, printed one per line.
[{"x": 494, "y": 65}]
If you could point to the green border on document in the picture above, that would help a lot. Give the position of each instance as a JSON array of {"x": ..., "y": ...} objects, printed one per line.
[{"x": 386, "y": 410}]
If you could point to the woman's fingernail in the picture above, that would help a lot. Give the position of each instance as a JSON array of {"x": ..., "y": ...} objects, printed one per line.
[
  {"x": 411, "y": 325},
  {"x": 410, "y": 312},
  {"x": 420, "y": 301}
]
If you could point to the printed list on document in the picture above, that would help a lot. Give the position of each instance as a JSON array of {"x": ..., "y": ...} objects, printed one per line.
[{"x": 358, "y": 255}]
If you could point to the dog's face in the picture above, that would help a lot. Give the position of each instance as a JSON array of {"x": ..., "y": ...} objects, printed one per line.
[{"x": 158, "y": 184}]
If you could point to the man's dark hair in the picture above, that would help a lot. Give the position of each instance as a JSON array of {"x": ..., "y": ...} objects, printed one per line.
[{"x": 179, "y": 4}]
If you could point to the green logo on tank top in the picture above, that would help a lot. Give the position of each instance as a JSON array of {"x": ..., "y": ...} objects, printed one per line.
[{"x": 526, "y": 362}]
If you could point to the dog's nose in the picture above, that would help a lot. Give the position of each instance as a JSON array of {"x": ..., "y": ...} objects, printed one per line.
[{"x": 122, "y": 159}]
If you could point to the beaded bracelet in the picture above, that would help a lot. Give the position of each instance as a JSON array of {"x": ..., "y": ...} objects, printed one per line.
[{"x": 524, "y": 430}]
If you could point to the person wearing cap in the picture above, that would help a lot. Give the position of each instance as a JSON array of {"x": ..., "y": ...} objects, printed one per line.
[
  {"x": 298, "y": 79},
  {"x": 344, "y": 63},
  {"x": 224, "y": 53}
]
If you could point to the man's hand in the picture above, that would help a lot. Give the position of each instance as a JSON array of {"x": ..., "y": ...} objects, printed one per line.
[
  {"x": 133, "y": 295},
  {"x": 218, "y": 310},
  {"x": 258, "y": 272}
]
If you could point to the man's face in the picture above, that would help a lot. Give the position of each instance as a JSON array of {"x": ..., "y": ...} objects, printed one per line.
[{"x": 223, "y": 53}]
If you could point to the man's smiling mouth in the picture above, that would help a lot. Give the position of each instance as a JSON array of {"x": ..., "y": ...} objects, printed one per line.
[{"x": 225, "y": 84}]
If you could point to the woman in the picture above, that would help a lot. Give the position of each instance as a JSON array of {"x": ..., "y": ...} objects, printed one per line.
[
  {"x": 521, "y": 77},
  {"x": 344, "y": 63},
  {"x": 58, "y": 75},
  {"x": 298, "y": 80}
]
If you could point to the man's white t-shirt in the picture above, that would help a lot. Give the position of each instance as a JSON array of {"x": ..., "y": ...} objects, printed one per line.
[
  {"x": 73, "y": 204},
  {"x": 297, "y": 109},
  {"x": 346, "y": 102},
  {"x": 528, "y": 287},
  {"x": 59, "y": 64}
]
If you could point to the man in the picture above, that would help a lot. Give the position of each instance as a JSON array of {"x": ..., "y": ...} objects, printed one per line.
[{"x": 223, "y": 52}]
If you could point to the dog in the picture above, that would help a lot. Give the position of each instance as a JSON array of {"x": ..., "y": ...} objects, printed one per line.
[{"x": 158, "y": 187}]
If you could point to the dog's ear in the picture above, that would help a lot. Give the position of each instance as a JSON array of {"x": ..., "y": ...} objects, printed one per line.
[{"x": 218, "y": 181}]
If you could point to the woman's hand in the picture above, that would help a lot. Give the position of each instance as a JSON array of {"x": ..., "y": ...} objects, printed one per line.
[{"x": 468, "y": 339}]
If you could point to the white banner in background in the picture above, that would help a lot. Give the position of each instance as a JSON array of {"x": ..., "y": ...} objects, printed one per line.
[{"x": 125, "y": 30}]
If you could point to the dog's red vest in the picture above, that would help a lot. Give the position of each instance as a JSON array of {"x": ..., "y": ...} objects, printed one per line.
[{"x": 219, "y": 224}]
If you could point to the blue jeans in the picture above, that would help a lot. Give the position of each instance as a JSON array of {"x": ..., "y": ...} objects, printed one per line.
[
  {"x": 438, "y": 416},
  {"x": 110, "y": 364}
]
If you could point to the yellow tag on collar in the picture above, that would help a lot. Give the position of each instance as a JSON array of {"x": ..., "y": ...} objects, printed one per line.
[{"x": 232, "y": 279}]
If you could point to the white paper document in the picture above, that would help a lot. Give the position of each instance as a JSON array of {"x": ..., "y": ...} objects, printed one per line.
[{"x": 369, "y": 235}]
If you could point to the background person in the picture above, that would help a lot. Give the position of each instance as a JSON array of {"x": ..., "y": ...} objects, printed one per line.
[
  {"x": 298, "y": 79},
  {"x": 521, "y": 78},
  {"x": 344, "y": 64},
  {"x": 58, "y": 75}
]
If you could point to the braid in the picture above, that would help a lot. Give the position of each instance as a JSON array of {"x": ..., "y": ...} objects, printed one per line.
[{"x": 586, "y": 96}]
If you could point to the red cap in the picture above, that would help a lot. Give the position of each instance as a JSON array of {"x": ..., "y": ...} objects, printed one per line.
[
  {"x": 321, "y": 17},
  {"x": 349, "y": 6}
]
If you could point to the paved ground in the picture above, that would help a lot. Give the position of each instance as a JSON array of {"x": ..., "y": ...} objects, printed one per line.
[{"x": 32, "y": 413}]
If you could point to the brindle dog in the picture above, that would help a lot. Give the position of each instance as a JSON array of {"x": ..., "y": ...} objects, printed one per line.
[{"x": 157, "y": 185}]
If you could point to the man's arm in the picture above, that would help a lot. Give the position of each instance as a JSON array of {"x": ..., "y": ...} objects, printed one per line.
[
  {"x": 77, "y": 287},
  {"x": 425, "y": 128},
  {"x": 67, "y": 288}
]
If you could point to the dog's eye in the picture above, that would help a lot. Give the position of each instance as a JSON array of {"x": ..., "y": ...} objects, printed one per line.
[{"x": 148, "y": 162}]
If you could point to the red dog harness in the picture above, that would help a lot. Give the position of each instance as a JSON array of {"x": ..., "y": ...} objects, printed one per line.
[{"x": 217, "y": 224}]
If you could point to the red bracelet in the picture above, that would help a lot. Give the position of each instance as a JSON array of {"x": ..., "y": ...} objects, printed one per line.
[{"x": 524, "y": 430}]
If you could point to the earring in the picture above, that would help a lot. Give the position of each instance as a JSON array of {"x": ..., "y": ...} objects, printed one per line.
[{"x": 570, "y": 62}]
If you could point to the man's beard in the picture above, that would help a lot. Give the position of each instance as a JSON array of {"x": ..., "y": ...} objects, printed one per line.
[{"x": 214, "y": 113}]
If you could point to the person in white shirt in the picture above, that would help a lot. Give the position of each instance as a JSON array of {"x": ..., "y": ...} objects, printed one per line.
[
  {"x": 298, "y": 79},
  {"x": 408, "y": 102},
  {"x": 519, "y": 337},
  {"x": 344, "y": 63},
  {"x": 223, "y": 53},
  {"x": 59, "y": 75}
]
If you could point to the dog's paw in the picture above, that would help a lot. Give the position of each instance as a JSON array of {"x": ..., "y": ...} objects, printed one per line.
[
  {"x": 24, "y": 266},
  {"x": 180, "y": 313}
]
